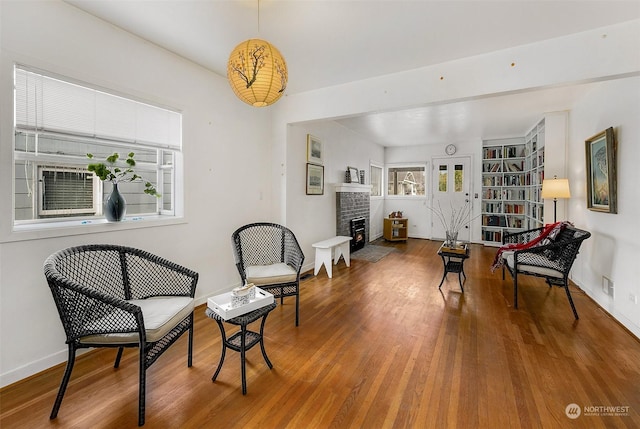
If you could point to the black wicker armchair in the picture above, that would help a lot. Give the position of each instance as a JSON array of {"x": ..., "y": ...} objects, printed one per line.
[
  {"x": 115, "y": 296},
  {"x": 551, "y": 260},
  {"x": 269, "y": 256}
]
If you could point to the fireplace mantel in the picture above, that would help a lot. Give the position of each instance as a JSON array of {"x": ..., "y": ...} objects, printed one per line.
[{"x": 352, "y": 187}]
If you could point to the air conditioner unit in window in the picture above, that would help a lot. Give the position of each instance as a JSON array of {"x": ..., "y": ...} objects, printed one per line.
[{"x": 67, "y": 191}]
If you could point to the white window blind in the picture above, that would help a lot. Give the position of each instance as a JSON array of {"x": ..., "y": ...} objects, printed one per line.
[{"x": 47, "y": 104}]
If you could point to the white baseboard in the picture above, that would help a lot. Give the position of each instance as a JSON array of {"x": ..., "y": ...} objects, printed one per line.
[
  {"x": 35, "y": 367},
  {"x": 61, "y": 356}
]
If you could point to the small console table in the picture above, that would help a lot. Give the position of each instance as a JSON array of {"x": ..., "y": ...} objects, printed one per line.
[
  {"x": 395, "y": 229},
  {"x": 453, "y": 261},
  {"x": 242, "y": 340}
]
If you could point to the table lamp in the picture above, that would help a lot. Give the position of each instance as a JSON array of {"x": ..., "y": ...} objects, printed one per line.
[{"x": 555, "y": 188}]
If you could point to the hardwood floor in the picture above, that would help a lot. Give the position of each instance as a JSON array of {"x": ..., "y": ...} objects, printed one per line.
[{"x": 378, "y": 346}]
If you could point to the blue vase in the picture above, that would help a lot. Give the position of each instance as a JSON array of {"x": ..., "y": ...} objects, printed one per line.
[{"x": 115, "y": 206}]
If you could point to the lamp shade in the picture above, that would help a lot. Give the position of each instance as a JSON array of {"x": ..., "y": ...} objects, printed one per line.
[
  {"x": 257, "y": 72},
  {"x": 555, "y": 188}
]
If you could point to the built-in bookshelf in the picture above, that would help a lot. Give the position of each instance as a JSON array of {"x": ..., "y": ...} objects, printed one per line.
[
  {"x": 504, "y": 188},
  {"x": 512, "y": 175},
  {"x": 535, "y": 150}
]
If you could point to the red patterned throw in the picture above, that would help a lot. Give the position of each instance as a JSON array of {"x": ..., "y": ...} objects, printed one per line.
[{"x": 550, "y": 231}]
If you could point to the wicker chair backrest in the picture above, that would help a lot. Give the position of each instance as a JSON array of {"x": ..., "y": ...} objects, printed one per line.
[
  {"x": 91, "y": 282},
  {"x": 558, "y": 254},
  {"x": 568, "y": 244},
  {"x": 266, "y": 244},
  {"x": 97, "y": 269}
]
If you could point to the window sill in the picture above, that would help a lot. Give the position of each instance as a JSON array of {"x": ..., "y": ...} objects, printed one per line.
[{"x": 26, "y": 232}]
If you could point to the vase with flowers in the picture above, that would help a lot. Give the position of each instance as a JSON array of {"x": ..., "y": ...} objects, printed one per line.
[
  {"x": 454, "y": 221},
  {"x": 115, "y": 172}
]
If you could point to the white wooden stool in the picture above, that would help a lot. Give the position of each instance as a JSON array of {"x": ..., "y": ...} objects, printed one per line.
[{"x": 325, "y": 251}]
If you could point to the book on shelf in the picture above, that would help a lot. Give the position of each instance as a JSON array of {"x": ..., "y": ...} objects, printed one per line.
[
  {"x": 492, "y": 236},
  {"x": 512, "y": 166},
  {"x": 492, "y": 153}
]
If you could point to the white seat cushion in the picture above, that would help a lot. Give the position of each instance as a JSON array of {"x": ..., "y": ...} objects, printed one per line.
[
  {"x": 270, "y": 274},
  {"x": 543, "y": 271},
  {"x": 160, "y": 313}
]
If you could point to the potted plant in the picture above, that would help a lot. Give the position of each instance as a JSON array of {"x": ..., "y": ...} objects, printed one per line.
[{"x": 112, "y": 171}]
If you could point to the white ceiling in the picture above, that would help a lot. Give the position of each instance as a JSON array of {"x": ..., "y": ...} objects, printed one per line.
[{"x": 330, "y": 42}]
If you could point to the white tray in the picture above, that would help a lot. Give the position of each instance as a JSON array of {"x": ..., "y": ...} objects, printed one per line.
[{"x": 221, "y": 304}]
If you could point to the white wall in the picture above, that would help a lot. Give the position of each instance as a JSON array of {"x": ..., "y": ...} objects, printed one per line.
[
  {"x": 614, "y": 247},
  {"x": 313, "y": 217},
  {"x": 227, "y": 180}
]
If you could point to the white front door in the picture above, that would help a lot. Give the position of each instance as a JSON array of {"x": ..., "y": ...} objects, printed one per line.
[{"x": 451, "y": 202}]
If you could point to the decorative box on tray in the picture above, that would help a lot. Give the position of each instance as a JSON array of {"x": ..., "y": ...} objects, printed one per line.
[
  {"x": 459, "y": 248},
  {"x": 228, "y": 305}
]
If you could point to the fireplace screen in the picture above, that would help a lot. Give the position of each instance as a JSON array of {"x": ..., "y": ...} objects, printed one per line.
[{"x": 358, "y": 238}]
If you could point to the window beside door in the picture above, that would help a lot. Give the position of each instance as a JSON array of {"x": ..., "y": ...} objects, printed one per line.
[
  {"x": 375, "y": 173},
  {"x": 409, "y": 180}
]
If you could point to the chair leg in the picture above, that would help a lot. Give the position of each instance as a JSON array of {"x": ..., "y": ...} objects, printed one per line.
[
  {"x": 573, "y": 307},
  {"x": 515, "y": 289},
  {"x": 297, "y": 307},
  {"x": 142, "y": 385},
  {"x": 190, "y": 352},
  {"x": 65, "y": 381},
  {"x": 118, "y": 357}
]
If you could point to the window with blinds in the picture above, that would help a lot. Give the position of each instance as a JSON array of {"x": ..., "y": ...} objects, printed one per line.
[{"x": 58, "y": 121}]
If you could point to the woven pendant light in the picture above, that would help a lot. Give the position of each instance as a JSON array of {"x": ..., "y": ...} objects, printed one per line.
[{"x": 257, "y": 72}]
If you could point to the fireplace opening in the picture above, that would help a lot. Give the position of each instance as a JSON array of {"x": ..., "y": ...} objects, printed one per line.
[{"x": 358, "y": 238}]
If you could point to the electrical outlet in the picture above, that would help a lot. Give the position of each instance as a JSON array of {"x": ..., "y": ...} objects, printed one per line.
[
  {"x": 607, "y": 286},
  {"x": 633, "y": 298}
]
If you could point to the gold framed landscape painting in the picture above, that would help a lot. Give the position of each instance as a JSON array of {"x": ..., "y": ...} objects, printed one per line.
[
  {"x": 601, "y": 172},
  {"x": 315, "y": 151},
  {"x": 315, "y": 179}
]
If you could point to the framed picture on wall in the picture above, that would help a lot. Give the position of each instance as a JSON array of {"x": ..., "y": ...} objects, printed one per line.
[
  {"x": 354, "y": 177},
  {"x": 315, "y": 152},
  {"x": 601, "y": 172},
  {"x": 315, "y": 179}
]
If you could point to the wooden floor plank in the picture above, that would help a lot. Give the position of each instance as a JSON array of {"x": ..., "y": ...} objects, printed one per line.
[{"x": 378, "y": 346}]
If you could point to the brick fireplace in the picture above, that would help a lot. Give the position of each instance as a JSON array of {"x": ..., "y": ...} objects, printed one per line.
[{"x": 352, "y": 202}]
